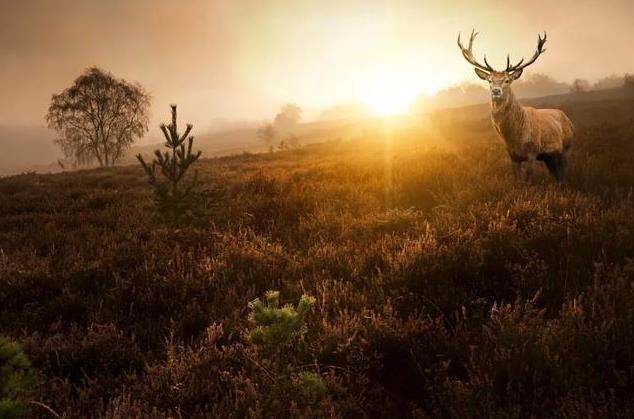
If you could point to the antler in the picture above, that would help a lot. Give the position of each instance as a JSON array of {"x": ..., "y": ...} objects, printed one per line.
[
  {"x": 467, "y": 53},
  {"x": 519, "y": 66}
]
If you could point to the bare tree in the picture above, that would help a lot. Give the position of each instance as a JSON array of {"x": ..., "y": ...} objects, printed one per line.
[
  {"x": 283, "y": 146},
  {"x": 98, "y": 117}
]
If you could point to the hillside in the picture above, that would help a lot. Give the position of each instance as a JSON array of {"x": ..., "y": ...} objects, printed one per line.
[
  {"x": 442, "y": 288},
  {"x": 31, "y": 148},
  {"x": 26, "y": 148}
]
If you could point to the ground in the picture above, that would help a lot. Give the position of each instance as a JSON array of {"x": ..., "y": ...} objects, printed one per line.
[{"x": 442, "y": 288}]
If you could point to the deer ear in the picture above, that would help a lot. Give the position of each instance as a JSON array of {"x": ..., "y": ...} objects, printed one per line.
[
  {"x": 482, "y": 74},
  {"x": 516, "y": 74}
]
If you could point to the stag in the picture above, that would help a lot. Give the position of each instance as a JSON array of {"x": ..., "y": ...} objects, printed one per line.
[{"x": 529, "y": 134}]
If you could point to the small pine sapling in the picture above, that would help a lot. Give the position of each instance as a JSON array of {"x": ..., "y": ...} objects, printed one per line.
[
  {"x": 274, "y": 325},
  {"x": 312, "y": 385},
  {"x": 17, "y": 380},
  {"x": 174, "y": 200}
]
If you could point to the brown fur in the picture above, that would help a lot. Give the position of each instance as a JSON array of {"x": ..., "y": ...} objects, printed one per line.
[{"x": 528, "y": 132}]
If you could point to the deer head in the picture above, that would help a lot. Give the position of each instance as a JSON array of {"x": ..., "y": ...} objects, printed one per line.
[{"x": 499, "y": 81}]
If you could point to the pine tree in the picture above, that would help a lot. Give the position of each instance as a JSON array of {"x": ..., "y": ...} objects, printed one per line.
[
  {"x": 275, "y": 325},
  {"x": 17, "y": 380},
  {"x": 174, "y": 199}
]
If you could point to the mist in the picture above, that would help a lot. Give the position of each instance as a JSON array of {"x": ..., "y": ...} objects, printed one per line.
[{"x": 242, "y": 60}]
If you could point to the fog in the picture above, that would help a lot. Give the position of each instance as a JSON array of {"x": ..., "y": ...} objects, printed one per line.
[{"x": 242, "y": 60}]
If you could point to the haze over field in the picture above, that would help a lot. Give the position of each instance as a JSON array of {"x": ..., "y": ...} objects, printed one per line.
[
  {"x": 242, "y": 59},
  {"x": 231, "y": 65}
]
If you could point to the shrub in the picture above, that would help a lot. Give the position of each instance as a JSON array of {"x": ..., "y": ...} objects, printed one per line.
[
  {"x": 312, "y": 384},
  {"x": 17, "y": 379},
  {"x": 275, "y": 325}
]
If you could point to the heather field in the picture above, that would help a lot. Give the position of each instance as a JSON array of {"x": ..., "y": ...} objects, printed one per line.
[{"x": 442, "y": 288}]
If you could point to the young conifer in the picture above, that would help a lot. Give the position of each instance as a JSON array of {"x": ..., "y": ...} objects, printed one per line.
[
  {"x": 173, "y": 198},
  {"x": 17, "y": 380},
  {"x": 275, "y": 325}
]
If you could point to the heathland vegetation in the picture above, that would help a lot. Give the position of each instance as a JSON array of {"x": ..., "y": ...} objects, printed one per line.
[
  {"x": 32, "y": 148},
  {"x": 410, "y": 277}
]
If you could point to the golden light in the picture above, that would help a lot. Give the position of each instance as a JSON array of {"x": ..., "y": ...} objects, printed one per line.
[
  {"x": 389, "y": 95},
  {"x": 392, "y": 91}
]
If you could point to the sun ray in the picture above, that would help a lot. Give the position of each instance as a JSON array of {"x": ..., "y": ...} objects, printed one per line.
[{"x": 390, "y": 91}]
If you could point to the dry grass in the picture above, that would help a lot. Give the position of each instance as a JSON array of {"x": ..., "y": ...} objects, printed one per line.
[{"x": 443, "y": 289}]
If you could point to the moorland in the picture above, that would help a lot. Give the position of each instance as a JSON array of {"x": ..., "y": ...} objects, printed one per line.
[{"x": 443, "y": 288}]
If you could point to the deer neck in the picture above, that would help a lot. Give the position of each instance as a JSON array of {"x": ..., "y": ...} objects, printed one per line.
[{"x": 508, "y": 117}]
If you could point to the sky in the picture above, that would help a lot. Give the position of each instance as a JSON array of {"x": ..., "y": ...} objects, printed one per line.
[{"x": 243, "y": 59}]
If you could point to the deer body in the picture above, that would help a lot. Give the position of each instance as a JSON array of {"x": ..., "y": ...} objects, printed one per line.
[
  {"x": 529, "y": 134},
  {"x": 532, "y": 134}
]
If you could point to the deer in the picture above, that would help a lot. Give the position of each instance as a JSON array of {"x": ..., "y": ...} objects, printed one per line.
[{"x": 529, "y": 134}]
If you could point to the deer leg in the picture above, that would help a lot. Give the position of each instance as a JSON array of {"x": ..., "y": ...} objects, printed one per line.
[
  {"x": 561, "y": 169},
  {"x": 556, "y": 164},
  {"x": 550, "y": 162},
  {"x": 530, "y": 167}
]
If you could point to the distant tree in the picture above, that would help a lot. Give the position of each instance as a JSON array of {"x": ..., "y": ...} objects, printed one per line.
[
  {"x": 538, "y": 84},
  {"x": 609, "y": 82},
  {"x": 288, "y": 116},
  {"x": 283, "y": 146},
  {"x": 461, "y": 95},
  {"x": 290, "y": 142},
  {"x": 628, "y": 83},
  {"x": 98, "y": 117},
  {"x": 580, "y": 85},
  {"x": 173, "y": 199},
  {"x": 267, "y": 134},
  {"x": 293, "y": 141}
]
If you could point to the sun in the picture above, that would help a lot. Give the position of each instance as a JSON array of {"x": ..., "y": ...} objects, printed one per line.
[{"x": 389, "y": 93}]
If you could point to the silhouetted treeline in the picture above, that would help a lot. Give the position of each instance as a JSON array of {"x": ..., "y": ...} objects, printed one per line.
[{"x": 532, "y": 85}]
